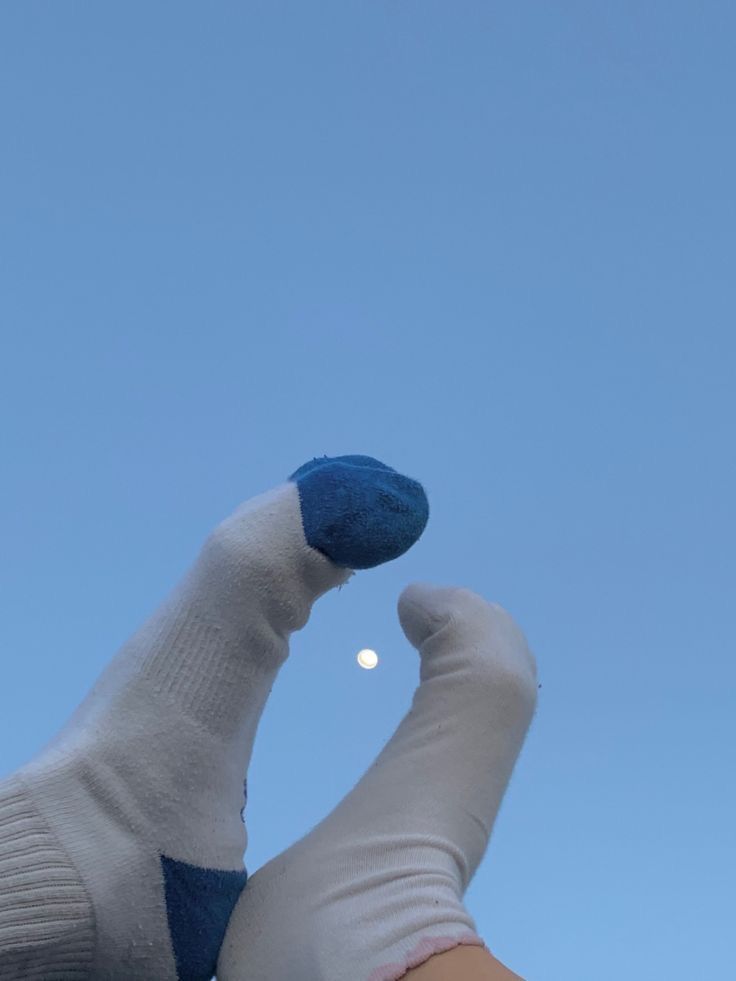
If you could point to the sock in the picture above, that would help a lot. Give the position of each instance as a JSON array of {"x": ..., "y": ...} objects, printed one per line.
[
  {"x": 121, "y": 845},
  {"x": 376, "y": 888}
]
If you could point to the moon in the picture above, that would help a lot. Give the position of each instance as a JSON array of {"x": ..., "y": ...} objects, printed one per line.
[{"x": 367, "y": 658}]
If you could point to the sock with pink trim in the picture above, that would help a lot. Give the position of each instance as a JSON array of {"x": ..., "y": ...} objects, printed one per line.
[{"x": 376, "y": 888}]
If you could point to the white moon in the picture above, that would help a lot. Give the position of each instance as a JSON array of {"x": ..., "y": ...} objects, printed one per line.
[{"x": 367, "y": 658}]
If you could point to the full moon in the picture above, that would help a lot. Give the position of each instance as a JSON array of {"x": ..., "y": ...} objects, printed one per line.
[{"x": 367, "y": 658}]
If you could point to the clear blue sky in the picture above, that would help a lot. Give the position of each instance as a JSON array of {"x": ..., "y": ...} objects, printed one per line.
[{"x": 490, "y": 243}]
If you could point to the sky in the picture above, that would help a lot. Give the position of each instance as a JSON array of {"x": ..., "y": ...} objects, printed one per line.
[{"x": 489, "y": 243}]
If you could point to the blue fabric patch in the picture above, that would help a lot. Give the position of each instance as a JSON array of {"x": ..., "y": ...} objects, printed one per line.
[
  {"x": 199, "y": 903},
  {"x": 358, "y": 511}
]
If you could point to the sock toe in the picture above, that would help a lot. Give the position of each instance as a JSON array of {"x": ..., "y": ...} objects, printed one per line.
[
  {"x": 422, "y": 612},
  {"x": 358, "y": 511}
]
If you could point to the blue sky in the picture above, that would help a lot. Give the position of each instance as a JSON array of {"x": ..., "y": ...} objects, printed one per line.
[{"x": 489, "y": 243}]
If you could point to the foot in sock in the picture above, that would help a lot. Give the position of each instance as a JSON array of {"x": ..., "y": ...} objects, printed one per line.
[
  {"x": 376, "y": 889},
  {"x": 121, "y": 845}
]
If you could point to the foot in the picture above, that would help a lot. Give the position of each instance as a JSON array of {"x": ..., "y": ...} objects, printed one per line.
[
  {"x": 121, "y": 845},
  {"x": 376, "y": 889}
]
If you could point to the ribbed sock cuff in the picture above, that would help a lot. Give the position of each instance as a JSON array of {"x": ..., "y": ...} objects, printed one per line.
[{"x": 46, "y": 917}]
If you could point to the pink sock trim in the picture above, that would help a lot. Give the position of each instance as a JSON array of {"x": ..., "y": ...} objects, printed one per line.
[{"x": 425, "y": 949}]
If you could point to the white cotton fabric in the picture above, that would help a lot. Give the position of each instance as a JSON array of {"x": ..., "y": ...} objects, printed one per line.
[
  {"x": 377, "y": 887},
  {"x": 154, "y": 759}
]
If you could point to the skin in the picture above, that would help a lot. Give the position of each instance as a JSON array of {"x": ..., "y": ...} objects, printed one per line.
[{"x": 463, "y": 964}]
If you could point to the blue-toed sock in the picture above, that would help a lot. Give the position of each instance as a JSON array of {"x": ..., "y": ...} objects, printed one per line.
[{"x": 121, "y": 846}]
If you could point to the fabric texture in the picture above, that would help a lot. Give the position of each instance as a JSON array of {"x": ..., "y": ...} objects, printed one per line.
[
  {"x": 377, "y": 887},
  {"x": 198, "y": 903},
  {"x": 46, "y": 917},
  {"x": 359, "y": 512},
  {"x": 122, "y": 843}
]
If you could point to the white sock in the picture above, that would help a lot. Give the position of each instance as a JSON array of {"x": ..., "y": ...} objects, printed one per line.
[
  {"x": 121, "y": 845},
  {"x": 377, "y": 887}
]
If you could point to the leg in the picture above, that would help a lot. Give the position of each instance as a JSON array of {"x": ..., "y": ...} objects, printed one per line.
[
  {"x": 376, "y": 889},
  {"x": 121, "y": 845}
]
